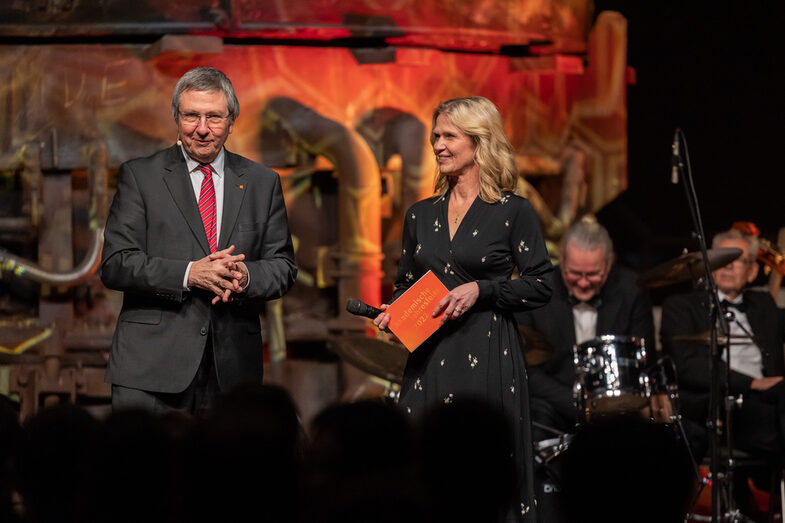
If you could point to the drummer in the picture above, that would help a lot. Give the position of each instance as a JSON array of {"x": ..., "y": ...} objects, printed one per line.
[
  {"x": 592, "y": 296},
  {"x": 756, "y": 363}
]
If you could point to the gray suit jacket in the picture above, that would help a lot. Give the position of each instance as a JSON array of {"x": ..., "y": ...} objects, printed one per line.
[{"x": 153, "y": 230}]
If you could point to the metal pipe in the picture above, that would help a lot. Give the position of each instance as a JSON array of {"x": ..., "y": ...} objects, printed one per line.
[
  {"x": 18, "y": 224},
  {"x": 359, "y": 193},
  {"x": 27, "y": 269},
  {"x": 97, "y": 177}
]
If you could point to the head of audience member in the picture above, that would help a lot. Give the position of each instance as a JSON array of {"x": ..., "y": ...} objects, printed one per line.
[
  {"x": 469, "y": 133},
  {"x": 59, "y": 474},
  {"x": 204, "y": 106},
  {"x": 248, "y": 458},
  {"x": 643, "y": 467},
  {"x": 10, "y": 442},
  {"x": 467, "y": 465},
  {"x": 137, "y": 444},
  {"x": 732, "y": 278},
  {"x": 586, "y": 258},
  {"x": 359, "y": 466}
]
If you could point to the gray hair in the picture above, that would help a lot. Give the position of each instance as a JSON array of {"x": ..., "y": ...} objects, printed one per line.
[
  {"x": 588, "y": 235},
  {"x": 733, "y": 234},
  {"x": 206, "y": 79}
]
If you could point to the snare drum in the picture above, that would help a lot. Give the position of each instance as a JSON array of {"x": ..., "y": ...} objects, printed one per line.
[{"x": 610, "y": 376}]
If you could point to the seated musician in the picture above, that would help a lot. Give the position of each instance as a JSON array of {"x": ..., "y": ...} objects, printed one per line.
[
  {"x": 591, "y": 296},
  {"x": 756, "y": 350}
]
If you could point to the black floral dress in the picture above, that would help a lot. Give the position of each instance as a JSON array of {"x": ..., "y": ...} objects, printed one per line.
[{"x": 479, "y": 354}]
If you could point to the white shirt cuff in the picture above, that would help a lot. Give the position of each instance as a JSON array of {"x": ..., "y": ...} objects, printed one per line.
[{"x": 185, "y": 278}]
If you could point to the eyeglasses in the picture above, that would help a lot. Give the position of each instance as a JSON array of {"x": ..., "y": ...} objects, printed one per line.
[
  {"x": 594, "y": 276},
  {"x": 214, "y": 121},
  {"x": 742, "y": 261}
]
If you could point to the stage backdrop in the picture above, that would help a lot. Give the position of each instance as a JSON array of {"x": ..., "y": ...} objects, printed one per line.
[{"x": 339, "y": 101}]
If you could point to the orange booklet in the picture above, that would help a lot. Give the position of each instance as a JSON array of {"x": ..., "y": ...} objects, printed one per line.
[{"x": 411, "y": 317}]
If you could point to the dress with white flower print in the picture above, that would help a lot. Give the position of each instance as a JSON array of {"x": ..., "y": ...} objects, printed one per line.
[{"x": 478, "y": 355}]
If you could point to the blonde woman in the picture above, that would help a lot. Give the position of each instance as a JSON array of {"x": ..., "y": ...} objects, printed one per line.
[{"x": 473, "y": 234}]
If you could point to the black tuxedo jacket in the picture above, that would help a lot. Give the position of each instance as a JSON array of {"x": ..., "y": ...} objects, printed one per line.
[
  {"x": 625, "y": 310},
  {"x": 689, "y": 314},
  {"x": 153, "y": 230}
]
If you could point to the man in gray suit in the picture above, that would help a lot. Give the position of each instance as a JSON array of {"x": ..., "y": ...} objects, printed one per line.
[{"x": 197, "y": 239}]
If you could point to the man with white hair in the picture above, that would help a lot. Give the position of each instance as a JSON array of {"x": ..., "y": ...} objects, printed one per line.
[
  {"x": 757, "y": 363},
  {"x": 591, "y": 297}
]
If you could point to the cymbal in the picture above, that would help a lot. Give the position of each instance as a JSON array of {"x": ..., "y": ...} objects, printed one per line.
[
  {"x": 380, "y": 358},
  {"x": 705, "y": 337},
  {"x": 688, "y": 266},
  {"x": 536, "y": 349}
]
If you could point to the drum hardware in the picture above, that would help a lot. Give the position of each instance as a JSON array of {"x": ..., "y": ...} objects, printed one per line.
[
  {"x": 694, "y": 266},
  {"x": 547, "y": 428},
  {"x": 377, "y": 387},
  {"x": 663, "y": 405},
  {"x": 379, "y": 358},
  {"x": 705, "y": 338},
  {"x": 721, "y": 428},
  {"x": 548, "y": 477},
  {"x": 536, "y": 349},
  {"x": 383, "y": 360},
  {"x": 549, "y": 449},
  {"x": 688, "y": 266}
]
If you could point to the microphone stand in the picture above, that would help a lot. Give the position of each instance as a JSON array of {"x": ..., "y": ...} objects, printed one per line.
[{"x": 719, "y": 471}]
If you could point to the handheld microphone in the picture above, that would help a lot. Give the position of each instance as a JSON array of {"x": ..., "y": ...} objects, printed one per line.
[
  {"x": 360, "y": 308},
  {"x": 675, "y": 158}
]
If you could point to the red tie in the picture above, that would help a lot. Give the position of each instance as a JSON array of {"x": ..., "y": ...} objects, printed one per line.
[{"x": 207, "y": 206}]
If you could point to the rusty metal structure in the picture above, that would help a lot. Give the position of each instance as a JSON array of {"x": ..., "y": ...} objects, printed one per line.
[{"x": 336, "y": 96}]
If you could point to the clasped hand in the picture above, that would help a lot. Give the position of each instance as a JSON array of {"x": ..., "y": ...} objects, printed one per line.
[{"x": 221, "y": 273}]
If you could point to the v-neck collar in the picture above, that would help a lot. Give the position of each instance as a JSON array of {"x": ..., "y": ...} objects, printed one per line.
[{"x": 446, "y": 214}]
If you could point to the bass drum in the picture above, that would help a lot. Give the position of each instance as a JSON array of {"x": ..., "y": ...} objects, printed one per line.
[{"x": 610, "y": 376}]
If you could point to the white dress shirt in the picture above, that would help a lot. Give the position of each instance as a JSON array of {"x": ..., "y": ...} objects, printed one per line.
[
  {"x": 585, "y": 320},
  {"x": 744, "y": 357}
]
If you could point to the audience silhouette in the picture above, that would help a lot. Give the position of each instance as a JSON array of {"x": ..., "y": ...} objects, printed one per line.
[{"x": 251, "y": 460}]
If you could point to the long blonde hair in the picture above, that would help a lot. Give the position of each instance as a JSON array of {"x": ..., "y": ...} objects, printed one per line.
[{"x": 480, "y": 120}]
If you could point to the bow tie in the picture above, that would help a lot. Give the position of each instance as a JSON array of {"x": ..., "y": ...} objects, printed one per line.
[
  {"x": 741, "y": 306},
  {"x": 595, "y": 301}
]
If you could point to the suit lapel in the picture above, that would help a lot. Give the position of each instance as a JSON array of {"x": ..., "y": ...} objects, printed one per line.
[
  {"x": 179, "y": 184},
  {"x": 564, "y": 314},
  {"x": 760, "y": 328},
  {"x": 568, "y": 320},
  {"x": 234, "y": 192}
]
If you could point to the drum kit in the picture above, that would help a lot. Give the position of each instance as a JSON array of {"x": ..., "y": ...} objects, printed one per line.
[
  {"x": 614, "y": 375},
  {"x": 617, "y": 375}
]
